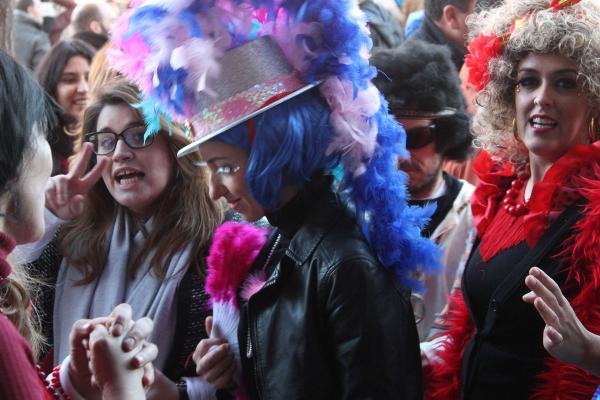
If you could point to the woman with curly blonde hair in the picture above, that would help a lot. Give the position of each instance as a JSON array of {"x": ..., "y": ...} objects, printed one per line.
[{"x": 536, "y": 64}]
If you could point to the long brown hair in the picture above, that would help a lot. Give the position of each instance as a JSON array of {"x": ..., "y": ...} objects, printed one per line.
[{"x": 184, "y": 214}]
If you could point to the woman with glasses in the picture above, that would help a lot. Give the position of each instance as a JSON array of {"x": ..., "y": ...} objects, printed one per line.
[
  {"x": 535, "y": 63},
  {"x": 138, "y": 235},
  {"x": 25, "y": 156},
  {"x": 419, "y": 81}
]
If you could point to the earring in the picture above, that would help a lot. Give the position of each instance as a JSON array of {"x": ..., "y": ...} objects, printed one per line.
[
  {"x": 515, "y": 132},
  {"x": 592, "y": 130},
  {"x": 517, "y": 88}
]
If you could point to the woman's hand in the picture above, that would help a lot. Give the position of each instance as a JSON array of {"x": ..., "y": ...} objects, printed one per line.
[
  {"x": 65, "y": 193},
  {"x": 214, "y": 360},
  {"x": 117, "y": 323},
  {"x": 564, "y": 337},
  {"x": 112, "y": 368}
]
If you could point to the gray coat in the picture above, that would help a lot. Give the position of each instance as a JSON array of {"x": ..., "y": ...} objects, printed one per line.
[{"x": 31, "y": 42}]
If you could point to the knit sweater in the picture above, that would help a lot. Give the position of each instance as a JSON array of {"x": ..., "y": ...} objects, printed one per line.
[{"x": 20, "y": 379}]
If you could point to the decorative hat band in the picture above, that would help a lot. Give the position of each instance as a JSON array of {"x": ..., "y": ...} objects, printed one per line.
[
  {"x": 250, "y": 76},
  {"x": 483, "y": 48}
]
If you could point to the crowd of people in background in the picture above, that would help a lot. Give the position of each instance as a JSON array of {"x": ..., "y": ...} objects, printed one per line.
[{"x": 303, "y": 199}]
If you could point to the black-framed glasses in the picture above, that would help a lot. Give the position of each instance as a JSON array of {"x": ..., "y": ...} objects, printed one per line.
[
  {"x": 105, "y": 142},
  {"x": 419, "y": 136}
]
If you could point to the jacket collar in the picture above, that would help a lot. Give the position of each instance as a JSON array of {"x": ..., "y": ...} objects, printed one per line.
[{"x": 307, "y": 217}]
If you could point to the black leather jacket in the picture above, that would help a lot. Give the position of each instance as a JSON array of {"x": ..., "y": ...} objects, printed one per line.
[{"x": 329, "y": 323}]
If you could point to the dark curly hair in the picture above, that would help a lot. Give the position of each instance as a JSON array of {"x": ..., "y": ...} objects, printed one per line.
[{"x": 421, "y": 76}]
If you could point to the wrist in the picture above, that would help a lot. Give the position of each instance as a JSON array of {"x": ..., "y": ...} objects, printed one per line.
[
  {"x": 72, "y": 377},
  {"x": 591, "y": 362},
  {"x": 65, "y": 380}
]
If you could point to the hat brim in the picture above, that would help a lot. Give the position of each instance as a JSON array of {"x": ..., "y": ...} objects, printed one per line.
[
  {"x": 418, "y": 114},
  {"x": 192, "y": 147}
]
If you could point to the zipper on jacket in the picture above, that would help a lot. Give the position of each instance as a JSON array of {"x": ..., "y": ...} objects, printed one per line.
[{"x": 248, "y": 344}]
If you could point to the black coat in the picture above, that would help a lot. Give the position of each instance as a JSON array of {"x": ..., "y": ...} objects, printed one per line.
[
  {"x": 329, "y": 323},
  {"x": 430, "y": 33}
]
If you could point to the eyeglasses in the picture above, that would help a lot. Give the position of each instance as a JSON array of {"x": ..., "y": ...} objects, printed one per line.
[
  {"x": 420, "y": 136},
  {"x": 105, "y": 142}
]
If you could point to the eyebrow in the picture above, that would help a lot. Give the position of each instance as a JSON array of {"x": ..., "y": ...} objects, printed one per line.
[
  {"x": 558, "y": 72},
  {"x": 130, "y": 125}
]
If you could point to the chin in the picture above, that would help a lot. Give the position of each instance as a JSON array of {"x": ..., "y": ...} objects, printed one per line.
[{"x": 252, "y": 216}]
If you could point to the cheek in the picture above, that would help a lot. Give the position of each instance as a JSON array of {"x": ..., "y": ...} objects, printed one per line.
[
  {"x": 161, "y": 167},
  {"x": 63, "y": 92}
]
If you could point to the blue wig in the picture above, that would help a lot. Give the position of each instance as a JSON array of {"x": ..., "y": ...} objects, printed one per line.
[{"x": 289, "y": 146}]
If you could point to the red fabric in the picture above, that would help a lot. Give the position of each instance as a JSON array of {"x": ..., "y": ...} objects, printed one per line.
[
  {"x": 20, "y": 379},
  {"x": 577, "y": 172},
  {"x": 7, "y": 244},
  {"x": 548, "y": 198},
  {"x": 444, "y": 378}
]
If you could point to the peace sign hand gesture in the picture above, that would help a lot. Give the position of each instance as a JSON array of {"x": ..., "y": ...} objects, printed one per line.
[{"x": 65, "y": 193}]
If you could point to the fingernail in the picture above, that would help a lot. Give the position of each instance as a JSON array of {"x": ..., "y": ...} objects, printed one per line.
[
  {"x": 140, "y": 359},
  {"x": 128, "y": 344},
  {"x": 117, "y": 329}
]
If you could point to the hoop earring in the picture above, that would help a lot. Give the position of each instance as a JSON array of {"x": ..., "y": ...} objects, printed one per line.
[
  {"x": 592, "y": 130},
  {"x": 515, "y": 132}
]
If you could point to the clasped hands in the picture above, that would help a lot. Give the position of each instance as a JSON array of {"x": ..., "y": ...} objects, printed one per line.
[{"x": 110, "y": 356}]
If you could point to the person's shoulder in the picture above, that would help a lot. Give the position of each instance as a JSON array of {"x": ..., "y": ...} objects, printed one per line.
[
  {"x": 345, "y": 241},
  {"x": 12, "y": 342}
]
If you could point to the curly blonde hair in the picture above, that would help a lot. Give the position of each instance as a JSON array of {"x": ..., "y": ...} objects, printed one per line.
[{"x": 571, "y": 32}]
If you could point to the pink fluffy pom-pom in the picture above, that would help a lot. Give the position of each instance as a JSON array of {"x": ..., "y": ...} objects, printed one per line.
[{"x": 232, "y": 253}]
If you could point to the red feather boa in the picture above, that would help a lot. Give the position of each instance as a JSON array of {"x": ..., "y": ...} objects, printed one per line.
[{"x": 582, "y": 253}]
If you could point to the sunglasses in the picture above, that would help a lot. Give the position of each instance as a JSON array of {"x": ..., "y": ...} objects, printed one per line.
[
  {"x": 105, "y": 142},
  {"x": 420, "y": 136}
]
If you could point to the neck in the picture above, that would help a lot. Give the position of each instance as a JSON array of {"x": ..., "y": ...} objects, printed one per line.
[
  {"x": 288, "y": 193},
  {"x": 538, "y": 167}
]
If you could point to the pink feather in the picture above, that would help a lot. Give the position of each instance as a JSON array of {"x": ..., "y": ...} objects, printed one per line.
[
  {"x": 135, "y": 63},
  {"x": 252, "y": 284},
  {"x": 232, "y": 253},
  {"x": 355, "y": 133}
]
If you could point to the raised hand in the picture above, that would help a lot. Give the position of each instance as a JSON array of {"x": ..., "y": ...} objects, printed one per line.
[
  {"x": 65, "y": 193},
  {"x": 564, "y": 336}
]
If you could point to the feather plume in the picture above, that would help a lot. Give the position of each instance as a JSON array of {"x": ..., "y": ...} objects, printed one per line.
[
  {"x": 234, "y": 249},
  {"x": 253, "y": 283}
]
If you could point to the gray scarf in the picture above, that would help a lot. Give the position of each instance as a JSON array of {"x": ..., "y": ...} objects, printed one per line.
[{"x": 147, "y": 295}]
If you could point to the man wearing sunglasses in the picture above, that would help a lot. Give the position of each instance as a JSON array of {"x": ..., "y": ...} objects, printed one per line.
[{"x": 420, "y": 83}]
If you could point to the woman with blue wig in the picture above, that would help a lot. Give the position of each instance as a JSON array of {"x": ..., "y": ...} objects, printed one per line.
[{"x": 284, "y": 115}]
